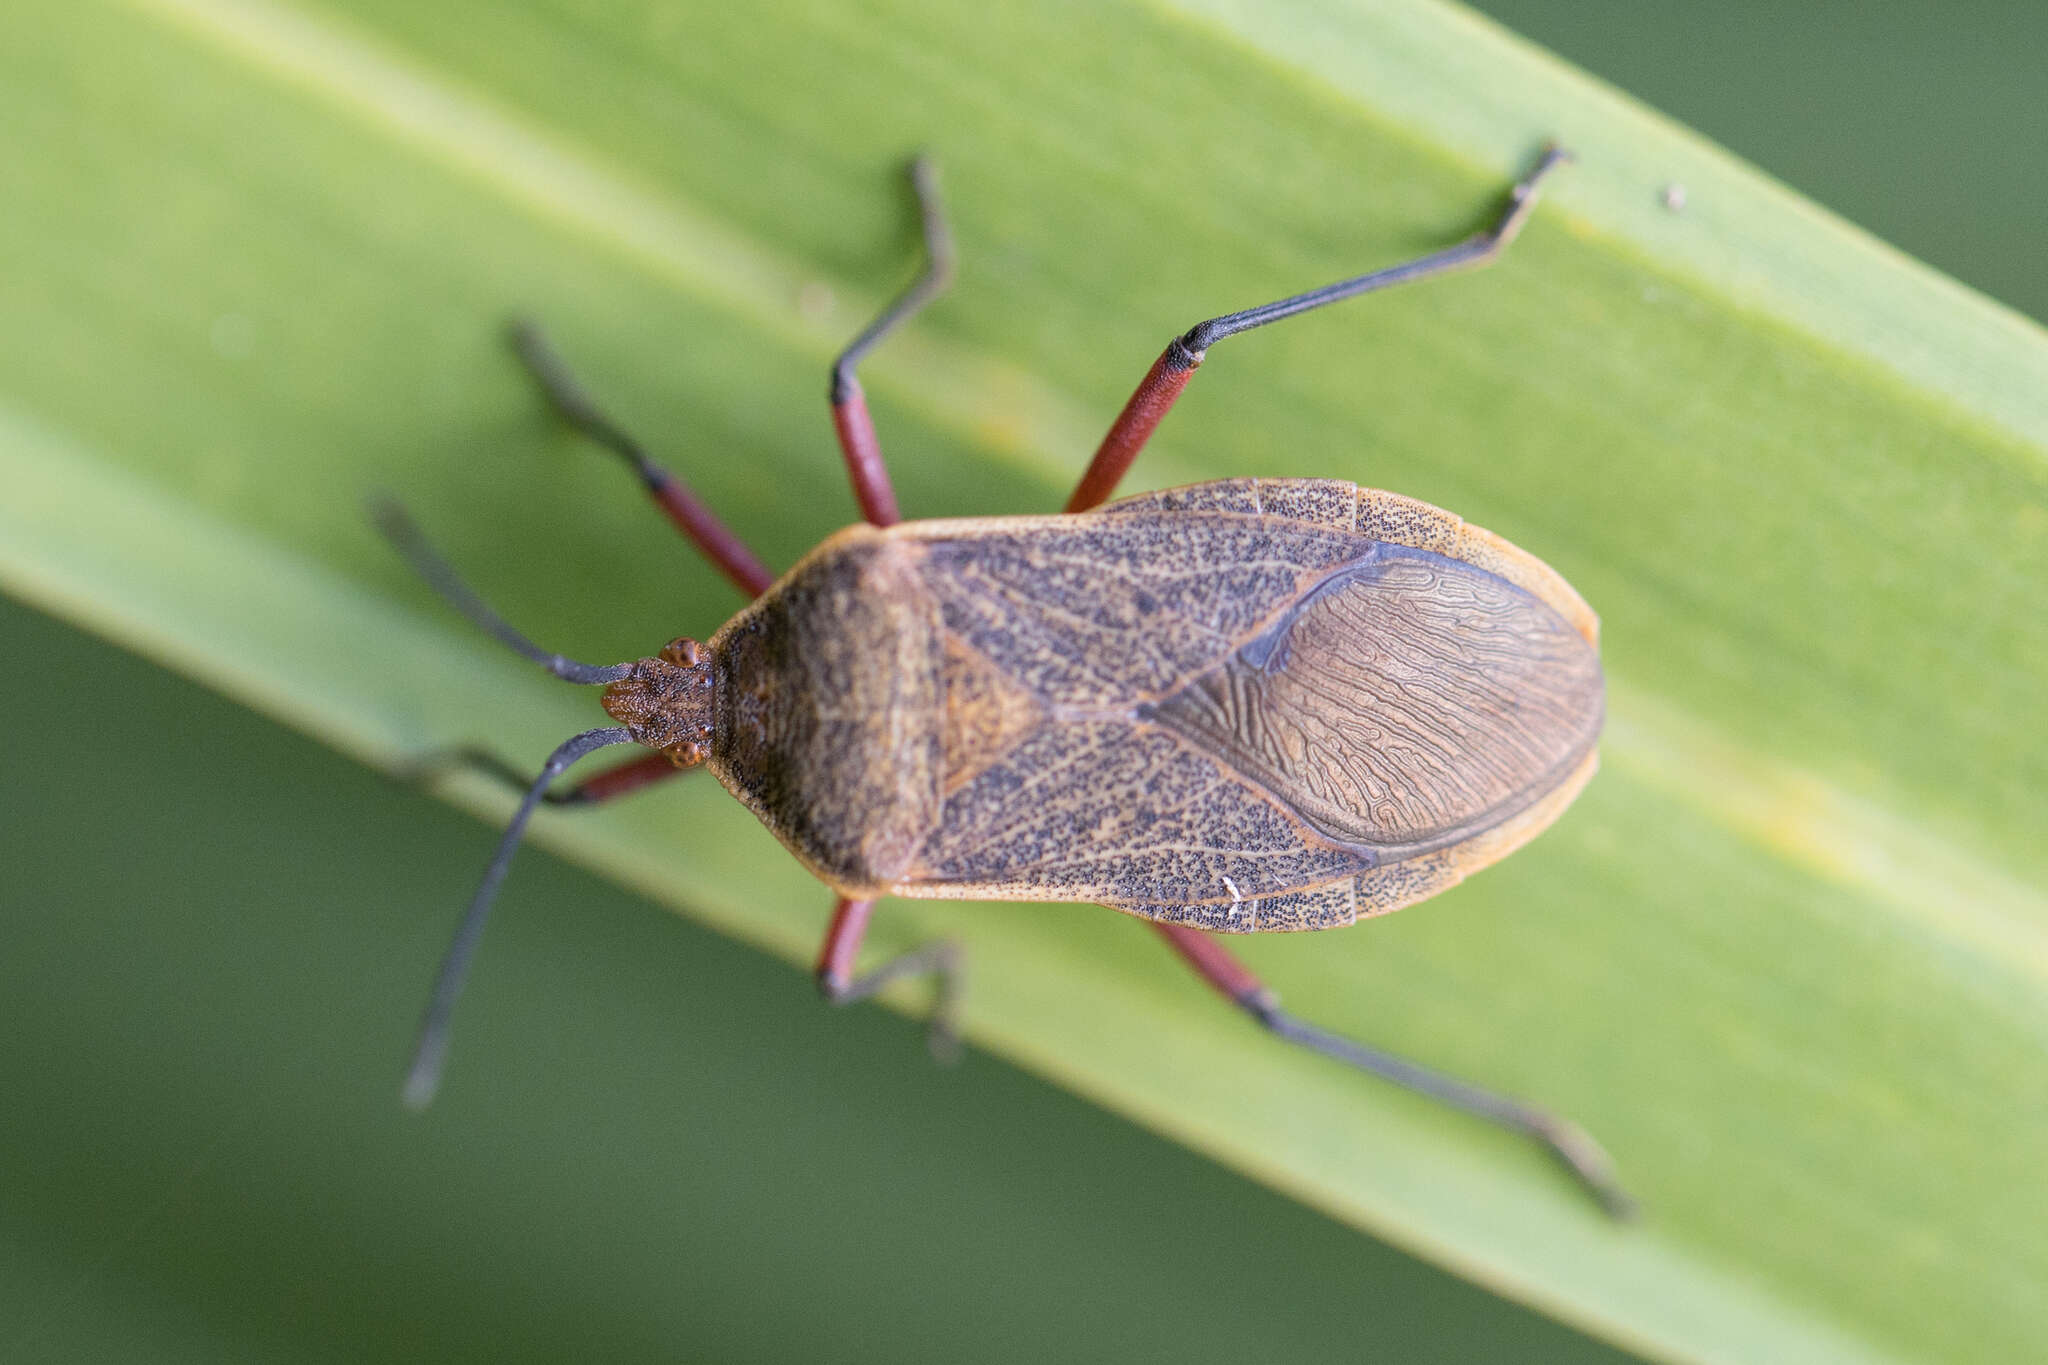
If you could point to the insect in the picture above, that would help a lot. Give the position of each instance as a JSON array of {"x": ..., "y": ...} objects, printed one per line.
[{"x": 1240, "y": 706}]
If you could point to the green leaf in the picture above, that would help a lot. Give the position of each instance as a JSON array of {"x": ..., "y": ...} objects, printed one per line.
[{"x": 1785, "y": 957}]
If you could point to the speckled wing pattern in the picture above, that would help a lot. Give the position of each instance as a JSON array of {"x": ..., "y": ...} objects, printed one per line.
[{"x": 1248, "y": 705}]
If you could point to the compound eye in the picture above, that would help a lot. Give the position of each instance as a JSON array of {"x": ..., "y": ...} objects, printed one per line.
[{"x": 684, "y": 651}]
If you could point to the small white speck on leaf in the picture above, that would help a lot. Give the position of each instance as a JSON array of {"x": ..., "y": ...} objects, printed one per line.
[{"x": 815, "y": 301}]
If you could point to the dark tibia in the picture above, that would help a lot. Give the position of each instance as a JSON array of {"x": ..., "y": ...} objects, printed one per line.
[
  {"x": 941, "y": 960},
  {"x": 1162, "y": 385},
  {"x": 850, "y": 420},
  {"x": 1568, "y": 1142},
  {"x": 573, "y": 403}
]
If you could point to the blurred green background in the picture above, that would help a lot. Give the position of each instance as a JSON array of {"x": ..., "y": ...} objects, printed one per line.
[
  {"x": 203, "y": 1154},
  {"x": 1924, "y": 124}
]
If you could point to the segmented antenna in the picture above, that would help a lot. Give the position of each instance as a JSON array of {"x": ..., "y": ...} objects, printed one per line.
[
  {"x": 400, "y": 530},
  {"x": 431, "y": 1051}
]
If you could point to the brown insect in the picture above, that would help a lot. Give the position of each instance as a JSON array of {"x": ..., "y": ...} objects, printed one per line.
[{"x": 1241, "y": 706}]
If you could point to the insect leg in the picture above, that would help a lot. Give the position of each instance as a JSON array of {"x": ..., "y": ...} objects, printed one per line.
[
  {"x": 621, "y": 779},
  {"x": 1568, "y": 1142},
  {"x": 688, "y": 511},
  {"x": 941, "y": 960},
  {"x": 1162, "y": 385},
  {"x": 850, "y": 420}
]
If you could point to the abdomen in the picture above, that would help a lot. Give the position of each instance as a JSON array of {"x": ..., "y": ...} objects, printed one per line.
[{"x": 1250, "y": 704}]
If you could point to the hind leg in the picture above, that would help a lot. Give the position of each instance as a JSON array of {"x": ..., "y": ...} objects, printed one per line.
[
  {"x": 1141, "y": 416},
  {"x": 1568, "y": 1142}
]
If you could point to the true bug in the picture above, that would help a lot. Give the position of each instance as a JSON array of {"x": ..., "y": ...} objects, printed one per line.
[{"x": 1238, "y": 706}]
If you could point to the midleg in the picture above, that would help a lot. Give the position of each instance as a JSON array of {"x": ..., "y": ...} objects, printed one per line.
[
  {"x": 837, "y": 981},
  {"x": 850, "y": 420},
  {"x": 1162, "y": 385},
  {"x": 1568, "y": 1142},
  {"x": 941, "y": 960},
  {"x": 877, "y": 498}
]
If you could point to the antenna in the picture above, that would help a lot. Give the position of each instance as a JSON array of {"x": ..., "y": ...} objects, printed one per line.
[
  {"x": 399, "y": 528},
  {"x": 431, "y": 1050}
]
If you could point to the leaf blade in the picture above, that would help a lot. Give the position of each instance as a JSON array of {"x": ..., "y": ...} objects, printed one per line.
[{"x": 987, "y": 409}]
